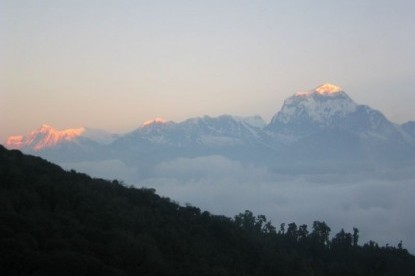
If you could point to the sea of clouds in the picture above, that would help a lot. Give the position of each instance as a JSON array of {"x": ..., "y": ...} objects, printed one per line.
[{"x": 379, "y": 203}]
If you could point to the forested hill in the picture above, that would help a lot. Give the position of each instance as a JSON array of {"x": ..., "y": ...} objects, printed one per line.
[{"x": 54, "y": 222}]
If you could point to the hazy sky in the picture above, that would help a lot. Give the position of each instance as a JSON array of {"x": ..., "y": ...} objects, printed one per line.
[{"x": 115, "y": 64}]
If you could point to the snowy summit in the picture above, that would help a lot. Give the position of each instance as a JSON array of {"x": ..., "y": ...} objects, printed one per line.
[
  {"x": 324, "y": 89},
  {"x": 328, "y": 88},
  {"x": 321, "y": 105}
]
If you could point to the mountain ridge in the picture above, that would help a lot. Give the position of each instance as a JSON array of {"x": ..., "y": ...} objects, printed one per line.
[{"x": 309, "y": 126}]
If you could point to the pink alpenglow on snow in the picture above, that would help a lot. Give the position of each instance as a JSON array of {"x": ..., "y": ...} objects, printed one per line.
[{"x": 43, "y": 137}]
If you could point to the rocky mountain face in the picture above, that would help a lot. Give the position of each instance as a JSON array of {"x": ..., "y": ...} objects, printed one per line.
[
  {"x": 312, "y": 128},
  {"x": 325, "y": 124}
]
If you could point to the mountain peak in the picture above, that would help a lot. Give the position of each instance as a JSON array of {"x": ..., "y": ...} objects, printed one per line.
[
  {"x": 328, "y": 88},
  {"x": 319, "y": 105},
  {"x": 324, "y": 89},
  {"x": 157, "y": 120},
  {"x": 44, "y": 137}
]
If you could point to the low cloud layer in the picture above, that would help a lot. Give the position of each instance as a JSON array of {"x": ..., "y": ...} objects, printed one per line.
[{"x": 380, "y": 204}]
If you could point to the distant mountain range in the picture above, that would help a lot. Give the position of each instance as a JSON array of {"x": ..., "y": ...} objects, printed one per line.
[{"x": 323, "y": 127}]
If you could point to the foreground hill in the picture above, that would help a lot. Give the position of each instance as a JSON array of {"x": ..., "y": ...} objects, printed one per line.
[{"x": 55, "y": 222}]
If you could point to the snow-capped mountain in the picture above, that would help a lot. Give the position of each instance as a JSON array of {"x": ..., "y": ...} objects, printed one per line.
[
  {"x": 317, "y": 107},
  {"x": 327, "y": 107},
  {"x": 207, "y": 131},
  {"x": 321, "y": 125},
  {"x": 43, "y": 138},
  {"x": 224, "y": 135},
  {"x": 72, "y": 144},
  {"x": 46, "y": 137},
  {"x": 326, "y": 124}
]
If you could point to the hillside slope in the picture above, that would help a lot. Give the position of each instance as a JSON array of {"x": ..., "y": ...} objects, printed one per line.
[{"x": 55, "y": 222}]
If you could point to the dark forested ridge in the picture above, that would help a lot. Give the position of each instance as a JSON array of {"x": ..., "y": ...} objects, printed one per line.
[{"x": 54, "y": 222}]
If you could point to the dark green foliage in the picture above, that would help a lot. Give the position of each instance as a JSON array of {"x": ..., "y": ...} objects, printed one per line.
[{"x": 54, "y": 222}]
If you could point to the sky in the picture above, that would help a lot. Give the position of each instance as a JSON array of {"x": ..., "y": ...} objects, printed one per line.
[{"x": 116, "y": 64}]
